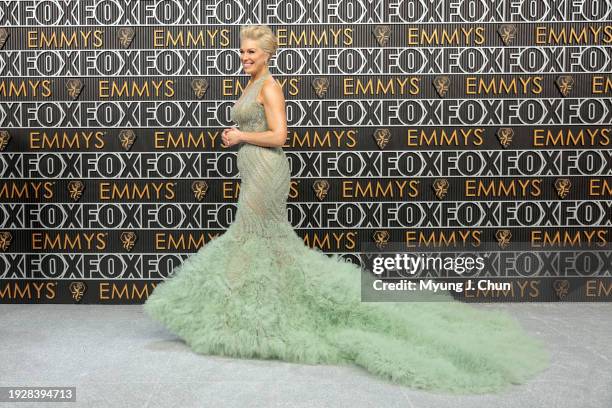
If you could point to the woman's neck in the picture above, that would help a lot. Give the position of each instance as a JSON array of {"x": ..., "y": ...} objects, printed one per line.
[{"x": 263, "y": 74}]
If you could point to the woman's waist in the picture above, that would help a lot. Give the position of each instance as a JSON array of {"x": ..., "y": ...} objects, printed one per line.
[
  {"x": 250, "y": 156},
  {"x": 247, "y": 148},
  {"x": 244, "y": 145}
]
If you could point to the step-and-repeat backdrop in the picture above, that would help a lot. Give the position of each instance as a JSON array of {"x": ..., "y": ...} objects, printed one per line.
[{"x": 438, "y": 126}]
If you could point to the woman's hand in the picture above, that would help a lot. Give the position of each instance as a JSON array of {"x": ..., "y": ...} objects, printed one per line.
[{"x": 231, "y": 137}]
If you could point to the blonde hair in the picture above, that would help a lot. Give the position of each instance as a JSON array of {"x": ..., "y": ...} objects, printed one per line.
[{"x": 263, "y": 35}]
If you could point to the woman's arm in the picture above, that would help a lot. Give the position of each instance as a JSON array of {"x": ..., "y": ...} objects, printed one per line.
[
  {"x": 274, "y": 107},
  {"x": 264, "y": 139}
]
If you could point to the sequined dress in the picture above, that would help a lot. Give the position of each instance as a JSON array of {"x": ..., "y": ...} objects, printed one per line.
[{"x": 258, "y": 291}]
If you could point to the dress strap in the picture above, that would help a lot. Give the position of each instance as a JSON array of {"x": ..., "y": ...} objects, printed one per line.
[
  {"x": 264, "y": 76},
  {"x": 254, "y": 84},
  {"x": 258, "y": 81},
  {"x": 257, "y": 84}
]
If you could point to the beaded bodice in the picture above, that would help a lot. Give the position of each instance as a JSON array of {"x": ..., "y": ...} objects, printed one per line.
[
  {"x": 264, "y": 172},
  {"x": 247, "y": 113}
]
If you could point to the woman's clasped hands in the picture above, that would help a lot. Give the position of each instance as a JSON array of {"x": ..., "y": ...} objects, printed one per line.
[{"x": 231, "y": 136}]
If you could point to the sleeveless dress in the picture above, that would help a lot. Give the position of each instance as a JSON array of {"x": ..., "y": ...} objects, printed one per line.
[{"x": 258, "y": 291}]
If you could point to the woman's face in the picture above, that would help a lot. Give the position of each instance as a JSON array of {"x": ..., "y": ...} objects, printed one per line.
[{"x": 253, "y": 58}]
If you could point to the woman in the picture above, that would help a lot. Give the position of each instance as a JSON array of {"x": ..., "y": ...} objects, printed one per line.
[{"x": 258, "y": 291}]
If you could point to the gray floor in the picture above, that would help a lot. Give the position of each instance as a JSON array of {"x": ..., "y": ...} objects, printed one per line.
[{"x": 116, "y": 357}]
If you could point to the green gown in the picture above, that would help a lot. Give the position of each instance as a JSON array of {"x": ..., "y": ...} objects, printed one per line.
[{"x": 258, "y": 291}]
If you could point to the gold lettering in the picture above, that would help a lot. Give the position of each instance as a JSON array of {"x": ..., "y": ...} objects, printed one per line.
[
  {"x": 567, "y": 137},
  {"x": 405, "y": 86},
  {"x": 500, "y": 86},
  {"x": 601, "y": 85},
  {"x": 329, "y": 37},
  {"x": 598, "y": 288},
  {"x": 562, "y": 238},
  {"x": 380, "y": 189},
  {"x": 314, "y": 139},
  {"x": 440, "y": 137},
  {"x": 68, "y": 241},
  {"x": 600, "y": 187},
  {"x": 132, "y": 191},
  {"x": 442, "y": 238},
  {"x": 125, "y": 291},
  {"x": 569, "y": 35},
  {"x": 503, "y": 188},
  {"x": 165, "y": 241},
  {"x": 30, "y": 290},
  {"x": 64, "y": 140},
  {"x": 129, "y": 89},
  {"x": 60, "y": 39},
  {"x": 171, "y": 140},
  {"x": 342, "y": 240},
  {"x": 12, "y": 190}
]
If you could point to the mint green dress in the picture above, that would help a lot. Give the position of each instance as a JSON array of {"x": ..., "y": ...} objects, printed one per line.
[{"x": 258, "y": 291}]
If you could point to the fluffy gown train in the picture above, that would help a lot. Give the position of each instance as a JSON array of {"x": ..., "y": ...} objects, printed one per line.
[{"x": 258, "y": 291}]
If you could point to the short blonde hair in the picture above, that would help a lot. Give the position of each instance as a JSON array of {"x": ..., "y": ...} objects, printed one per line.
[{"x": 263, "y": 35}]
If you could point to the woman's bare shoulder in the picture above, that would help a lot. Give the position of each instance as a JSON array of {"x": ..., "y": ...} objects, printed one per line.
[
  {"x": 271, "y": 89},
  {"x": 270, "y": 81}
]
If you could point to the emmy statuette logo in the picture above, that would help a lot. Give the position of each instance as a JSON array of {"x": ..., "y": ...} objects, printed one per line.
[
  {"x": 561, "y": 287},
  {"x": 382, "y": 137},
  {"x": 74, "y": 87},
  {"x": 507, "y": 32},
  {"x": 125, "y": 35},
  {"x": 199, "y": 189},
  {"x": 4, "y": 34},
  {"x": 75, "y": 189},
  {"x": 440, "y": 187},
  {"x": 77, "y": 289},
  {"x": 442, "y": 85},
  {"x": 505, "y": 135},
  {"x": 5, "y": 240},
  {"x": 5, "y": 138},
  {"x": 126, "y": 138},
  {"x": 563, "y": 187},
  {"x": 128, "y": 240},
  {"x": 320, "y": 188},
  {"x": 565, "y": 83},
  {"x": 503, "y": 237},
  {"x": 320, "y": 86},
  {"x": 381, "y": 238},
  {"x": 382, "y": 34},
  {"x": 199, "y": 86}
]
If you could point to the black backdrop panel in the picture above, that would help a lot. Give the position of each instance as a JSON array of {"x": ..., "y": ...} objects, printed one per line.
[{"x": 443, "y": 127}]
